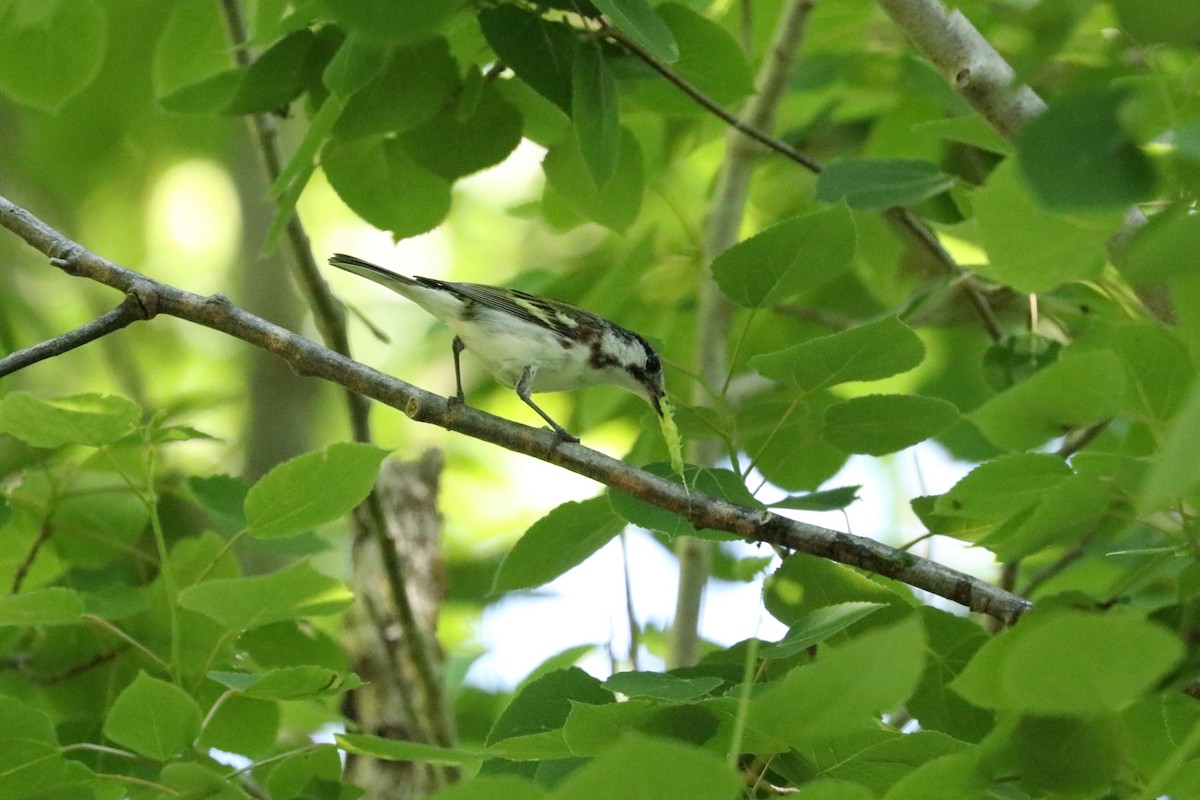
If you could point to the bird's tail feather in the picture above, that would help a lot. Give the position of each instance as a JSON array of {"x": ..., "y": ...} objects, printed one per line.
[{"x": 393, "y": 280}]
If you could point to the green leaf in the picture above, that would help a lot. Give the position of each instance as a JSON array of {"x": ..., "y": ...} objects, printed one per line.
[
  {"x": 878, "y": 424},
  {"x": 721, "y": 483},
  {"x": 486, "y": 136},
  {"x": 661, "y": 686},
  {"x": 29, "y": 753},
  {"x": 276, "y": 77},
  {"x": 1069, "y": 512},
  {"x": 95, "y": 525},
  {"x": 50, "y": 50},
  {"x": 191, "y": 780},
  {"x": 592, "y": 730},
  {"x": 804, "y": 584},
  {"x": 866, "y": 353},
  {"x": 153, "y": 718},
  {"x": 638, "y": 19},
  {"x": 1175, "y": 470},
  {"x": 1154, "y": 21},
  {"x": 827, "y": 500},
  {"x": 401, "y": 750},
  {"x": 1077, "y": 391},
  {"x": 1004, "y": 486},
  {"x": 417, "y": 83},
  {"x": 389, "y": 21},
  {"x": 595, "y": 112},
  {"x": 204, "y": 96},
  {"x": 1030, "y": 248},
  {"x": 951, "y": 641},
  {"x": 243, "y": 725},
  {"x": 310, "y": 490},
  {"x": 556, "y": 543},
  {"x": 877, "y": 184},
  {"x": 1076, "y": 156},
  {"x": 952, "y": 777},
  {"x": 1065, "y": 662},
  {"x": 381, "y": 183},
  {"x": 1066, "y": 755},
  {"x": 90, "y": 419},
  {"x": 785, "y": 438},
  {"x": 878, "y": 759},
  {"x": 793, "y": 256},
  {"x": 357, "y": 62},
  {"x": 223, "y": 497},
  {"x": 491, "y": 787},
  {"x": 617, "y": 203},
  {"x": 540, "y": 52},
  {"x": 843, "y": 689},
  {"x": 290, "y": 776},
  {"x": 52, "y": 606},
  {"x": 543, "y": 704},
  {"x": 1162, "y": 249},
  {"x": 817, "y": 626},
  {"x": 296, "y": 174},
  {"x": 710, "y": 59},
  {"x": 659, "y": 768},
  {"x": 289, "y": 683},
  {"x": 191, "y": 51},
  {"x": 242, "y": 603}
]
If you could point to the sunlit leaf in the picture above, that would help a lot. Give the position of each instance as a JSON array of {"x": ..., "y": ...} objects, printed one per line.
[
  {"x": 243, "y": 603},
  {"x": 787, "y": 258},
  {"x": 89, "y": 419},
  {"x": 865, "y": 353},
  {"x": 556, "y": 543},
  {"x": 312, "y": 489},
  {"x": 153, "y": 718}
]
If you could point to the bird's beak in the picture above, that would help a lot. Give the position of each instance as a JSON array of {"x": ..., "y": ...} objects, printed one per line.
[{"x": 655, "y": 394}]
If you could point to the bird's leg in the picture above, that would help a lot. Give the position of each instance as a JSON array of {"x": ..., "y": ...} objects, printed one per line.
[
  {"x": 523, "y": 386},
  {"x": 457, "y": 346}
]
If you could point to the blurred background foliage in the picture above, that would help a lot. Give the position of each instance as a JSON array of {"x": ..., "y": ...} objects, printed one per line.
[{"x": 578, "y": 173}]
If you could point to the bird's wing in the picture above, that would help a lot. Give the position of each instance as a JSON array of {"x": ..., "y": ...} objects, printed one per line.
[{"x": 558, "y": 317}]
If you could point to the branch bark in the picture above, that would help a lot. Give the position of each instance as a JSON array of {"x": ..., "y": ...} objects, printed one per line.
[
  {"x": 702, "y": 511},
  {"x": 972, "y": 66}
]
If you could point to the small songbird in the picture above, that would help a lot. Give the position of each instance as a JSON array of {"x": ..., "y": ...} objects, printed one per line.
[{"x": 529, "y": 343}]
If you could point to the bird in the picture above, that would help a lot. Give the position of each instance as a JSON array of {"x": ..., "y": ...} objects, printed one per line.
[{"x": 531, "y": 344}]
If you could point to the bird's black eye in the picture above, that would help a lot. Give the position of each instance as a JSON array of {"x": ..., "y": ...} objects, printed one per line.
[{"x": 653, "y": 364}]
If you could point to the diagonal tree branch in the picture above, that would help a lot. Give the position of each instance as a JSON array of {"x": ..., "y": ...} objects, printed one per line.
[
  {"x": 972, "y": 66},
  {"x": 702, "y": 511}
]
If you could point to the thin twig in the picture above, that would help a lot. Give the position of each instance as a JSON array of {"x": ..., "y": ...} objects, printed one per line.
[
  {"x": 700, "y": 510},
  {"x": 692, "y": 91},
  {"x": 130, "y": 310},
  {"x": 901, "y": 216},
  {"x": 23, "y": 568}
]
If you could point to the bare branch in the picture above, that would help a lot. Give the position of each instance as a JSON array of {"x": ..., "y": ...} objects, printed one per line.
[
  {"x": 701, "y": 510},
  {"x": 130, "y": 310}
]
